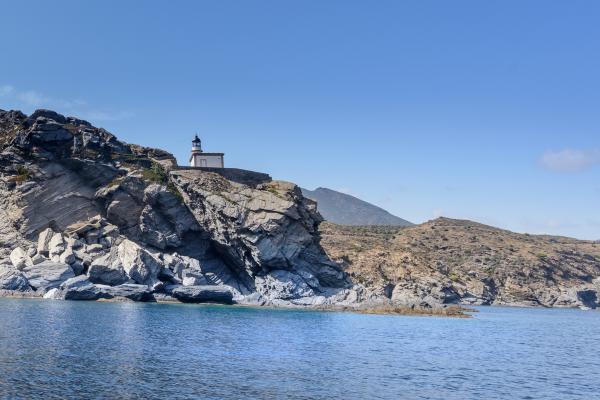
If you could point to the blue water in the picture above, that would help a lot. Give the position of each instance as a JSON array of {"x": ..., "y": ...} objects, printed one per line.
[{"x": 61, "y": 349}]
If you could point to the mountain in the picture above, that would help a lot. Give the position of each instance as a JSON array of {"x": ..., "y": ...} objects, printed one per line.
[{"x": 343, "y": 209}]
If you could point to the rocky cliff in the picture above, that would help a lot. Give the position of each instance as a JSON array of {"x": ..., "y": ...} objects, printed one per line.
[{"x": 86, "y": 216}]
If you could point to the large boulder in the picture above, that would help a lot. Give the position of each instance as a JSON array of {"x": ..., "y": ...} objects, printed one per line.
[
  {"x": 57, "y": 245},
  {"x": 201, "y": 294},
  {"x": 43, "y": 243},
  {"x": 11, "y": 279},
  {"x": 107, "y": 270},
  {"x": 47, "y": 275},
  {"x": 129, "y": 291},
  {"x": 19, "y": 258},
  {"x": 80, "y": 288},
  {"x": 139, "y": 263}
]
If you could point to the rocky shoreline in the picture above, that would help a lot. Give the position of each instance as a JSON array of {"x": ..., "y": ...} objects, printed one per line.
[{"x": 85, "y": 216}]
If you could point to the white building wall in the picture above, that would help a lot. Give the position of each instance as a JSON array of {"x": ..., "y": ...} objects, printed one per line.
[{"x": 201, "y": 160}]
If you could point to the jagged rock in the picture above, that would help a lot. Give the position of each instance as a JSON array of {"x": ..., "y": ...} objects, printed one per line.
[
  {"x": 127, "y": 291},
  {"x": 68, "y": 257},
  {"x": 47, "y": 275},
  {"x": 193, "y": 279},
  {"x": 423, "y": 295},
  {"x": 80, "y": 288},
  {"x": 578, "y": 297},
  {"x": 166, "y": 275},
  {"x": 78, "y": 267},
  {"x": 107, "y": 270},
  {"x": 123, "y": 202},
  {"x": 61, "y": 195},
  {"x": 11, "y": 279},
  {"x": 57, "y": 245},
  {"x": 74, "y": 244},
  {"x": 82, "y": 228},
  {"x": 43, "y": 244},
  {"x": 19, "y": 258},
  {"x": 157, "y": 230},
  {"x": 201, "y": 294},
  {"x": 283, "y": 285},
  {"x": 139, "y": 264}
]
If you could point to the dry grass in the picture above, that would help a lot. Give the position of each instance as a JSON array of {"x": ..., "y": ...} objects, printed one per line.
[{"x": 461, "y": 254}]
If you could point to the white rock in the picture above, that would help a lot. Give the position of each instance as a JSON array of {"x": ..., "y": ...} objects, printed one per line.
[
  {"x": 57, "y": 244},
  {"x": 52, "y": 294},
  {"x": 19, "y": 258},
  {"x": 140, "y": 264},
  {"x": 44, "y": 241},
  {"x": 193, "y": 279}
]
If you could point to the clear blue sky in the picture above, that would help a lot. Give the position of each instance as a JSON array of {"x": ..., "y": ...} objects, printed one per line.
[{"x": 487, "y": 110}]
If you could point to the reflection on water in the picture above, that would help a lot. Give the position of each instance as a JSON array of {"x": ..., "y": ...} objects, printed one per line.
[{"x": 60, "y": 349}]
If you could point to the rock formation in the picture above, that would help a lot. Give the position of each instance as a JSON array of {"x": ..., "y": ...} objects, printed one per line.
[{"x": 86, "y": 216}]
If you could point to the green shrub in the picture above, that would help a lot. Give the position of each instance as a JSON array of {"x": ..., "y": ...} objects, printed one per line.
[
  {"x": 23, "y": 174},
  {"x": 156, "y": 173}
]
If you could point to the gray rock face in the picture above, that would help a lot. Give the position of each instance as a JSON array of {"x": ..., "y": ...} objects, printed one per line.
[
  {"x": 110, "y": 213},
  {"x": 139, "y": 264},
  {"x": 283, "y": 285},
  {"x": 129, "y": 291},
  {"x": 259, "y": 229},
  {"x": 80, "y": 288},
  {"x": 47, "y": 275},
  {"x": 11, "y": 279},
  {"x": 201, "y": 294},
  {"x": 107, "y": 270},
  {"x": 423, "y": 296}
]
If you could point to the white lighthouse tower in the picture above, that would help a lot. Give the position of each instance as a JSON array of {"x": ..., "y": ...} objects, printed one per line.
[{"x": 202, "y": 159}]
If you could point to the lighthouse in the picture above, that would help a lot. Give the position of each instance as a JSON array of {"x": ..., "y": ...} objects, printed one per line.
[{"x": 200, "y": 159}]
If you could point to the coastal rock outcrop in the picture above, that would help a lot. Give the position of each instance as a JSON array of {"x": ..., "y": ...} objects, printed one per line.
[{"x": 86, "y": 216}]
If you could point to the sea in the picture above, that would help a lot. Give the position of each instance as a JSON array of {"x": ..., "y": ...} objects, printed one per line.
[{"x": 95, "y": 350}]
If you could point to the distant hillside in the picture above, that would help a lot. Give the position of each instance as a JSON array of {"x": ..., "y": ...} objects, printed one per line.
[
  {"x": 344, "y": 209},
  {"x": 452, "y": 259}
]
